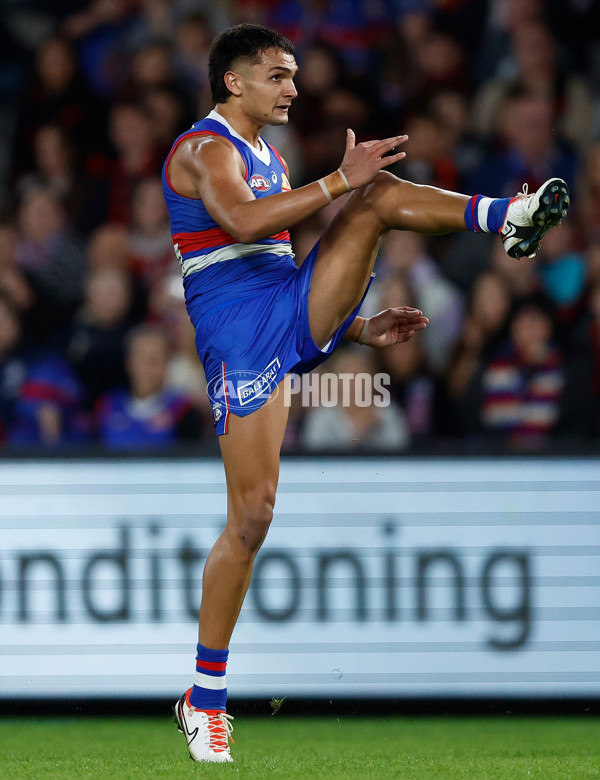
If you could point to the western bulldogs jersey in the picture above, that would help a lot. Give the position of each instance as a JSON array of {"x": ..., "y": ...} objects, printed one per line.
[{"x": 215, "y": 266}]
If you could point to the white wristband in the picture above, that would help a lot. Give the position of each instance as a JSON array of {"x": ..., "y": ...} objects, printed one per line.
[
  {"x": 362, "y": 332},
  {"x": 344, "y": 179},
  {"x": 325, "y": 190}
]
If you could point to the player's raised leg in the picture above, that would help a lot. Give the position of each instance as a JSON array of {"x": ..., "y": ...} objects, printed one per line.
[
  {"x": 250, "y": 452},
  {"x": 348, "y": 248}
]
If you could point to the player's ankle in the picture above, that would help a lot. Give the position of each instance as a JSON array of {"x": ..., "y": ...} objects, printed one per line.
[
  {"x": 486, "y": 215},
  {"x": 209, "y": 691}
]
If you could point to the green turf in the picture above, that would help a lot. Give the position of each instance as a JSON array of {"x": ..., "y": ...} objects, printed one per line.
[{"x": 291, "y": 748}]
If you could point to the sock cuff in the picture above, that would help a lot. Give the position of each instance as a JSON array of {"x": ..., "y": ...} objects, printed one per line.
[
  {"x": 209, "y": 691},
  {"x": 208, "y": 654},
  {"x": 486, "y": 215},
  {"x": 472, "y": 214}
]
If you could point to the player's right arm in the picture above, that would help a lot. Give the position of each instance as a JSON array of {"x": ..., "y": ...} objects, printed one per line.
[{"x": 211, "y": 168}]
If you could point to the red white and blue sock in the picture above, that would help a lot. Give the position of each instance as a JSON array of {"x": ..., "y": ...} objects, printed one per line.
[
  {"x": 486, "y": 215},
  {"x": 209, "y": 691}
]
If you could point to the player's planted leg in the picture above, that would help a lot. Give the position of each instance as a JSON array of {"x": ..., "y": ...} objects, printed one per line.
[{"x": 250, "y": 453}]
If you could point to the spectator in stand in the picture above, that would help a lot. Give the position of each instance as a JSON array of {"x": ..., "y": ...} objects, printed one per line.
[
  {"x": 407, "y": 254},
  {"x": 147, "y": 415},
  {"x": 411, "y": 386},
  {"x": 52, "y": 260},
  {"x": 108, "y": 247},
  {"x": 95, "y": 344},
  {"x": 429, "y": 154},
  {"x": 54, "y": 165},
  {"x": 451, "y": 109},
  {"x": 194, "y": 39},
  {"x": 170, "y": 114},
  {"x": 57, "y": 169},
  {"x": 522, "y": 278},
  {"x": 185, "y": 373},
  {"x": 354, "y": 423},
  {"x": 151, "y": 68},
  {"x": 49, "y": 411},
  {"x": 484, "y": 330},
  {"x": 503, "y": 18},
  {"x": 150, "y": 243},
  {"x": 441, "y": 64},
  {"x": 320, "y": 74},
  {"x": 535, "y": 68},
  {"x": 529, "y": 150},
  {"x": 399, "y": 75},
  {"x": 57, "y": 95},
  {"x": 523, "y": 382},
  {"x": 136, "y": 157}
]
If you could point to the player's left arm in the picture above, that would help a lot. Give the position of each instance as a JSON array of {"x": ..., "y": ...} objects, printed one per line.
[{"x": 391, "y": 326}]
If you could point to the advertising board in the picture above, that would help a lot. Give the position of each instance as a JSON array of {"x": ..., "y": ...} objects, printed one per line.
[{"x": 379, "y": 577}]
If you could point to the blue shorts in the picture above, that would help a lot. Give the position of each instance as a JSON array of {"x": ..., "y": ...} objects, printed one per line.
[{"x": 247, "y": 346}]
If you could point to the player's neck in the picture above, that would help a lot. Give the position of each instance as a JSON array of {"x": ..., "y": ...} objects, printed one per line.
[{"x": 247, "y": 127}]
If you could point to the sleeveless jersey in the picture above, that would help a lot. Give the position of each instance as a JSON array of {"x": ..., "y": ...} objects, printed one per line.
[{"x": 216, "y": 268}]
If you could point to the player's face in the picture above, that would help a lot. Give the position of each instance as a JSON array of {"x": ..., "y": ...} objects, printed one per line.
[{"x": 267, "y": 87}]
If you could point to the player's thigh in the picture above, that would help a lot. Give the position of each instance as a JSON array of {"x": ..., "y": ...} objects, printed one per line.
[
  {"x": 251, "y": 451},
  {"x": 345, "y": 259}
]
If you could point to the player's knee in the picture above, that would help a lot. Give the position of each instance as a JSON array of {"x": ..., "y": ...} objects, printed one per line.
[
  {"x": 380, "y": 187},
  {"x": 370, "y": 197},
  {"x": 254, "y": 518}
]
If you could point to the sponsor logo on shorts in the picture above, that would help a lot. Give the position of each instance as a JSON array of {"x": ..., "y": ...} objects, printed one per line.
[
  {"x": 260, "y": 183},
  {"x": 244, "y": 388},
  {"x": 257, "y": 388}
]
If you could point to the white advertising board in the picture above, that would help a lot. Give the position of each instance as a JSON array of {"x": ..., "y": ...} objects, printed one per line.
[{"x": 379, "y": 578}]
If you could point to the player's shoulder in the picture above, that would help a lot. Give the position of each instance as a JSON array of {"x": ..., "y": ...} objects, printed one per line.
[
  {"x": 207, "y": 151},
  {"x": 206, "y": 140}
]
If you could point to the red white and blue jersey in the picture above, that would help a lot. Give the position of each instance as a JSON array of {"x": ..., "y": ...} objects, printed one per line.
[
  {"x": 248, "y": 302},
  {"x": 215, "y": 266}
]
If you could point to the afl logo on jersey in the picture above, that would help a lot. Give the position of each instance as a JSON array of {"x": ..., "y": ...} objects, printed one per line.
[{"x": 258, "y": 182}]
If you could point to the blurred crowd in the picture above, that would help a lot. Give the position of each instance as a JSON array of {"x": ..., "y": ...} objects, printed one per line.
[{"x": 95, "y": 345}]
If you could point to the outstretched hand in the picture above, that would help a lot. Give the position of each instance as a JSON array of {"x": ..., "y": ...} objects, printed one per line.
[
  {"x": 393, "y": 326},
  {"x": 362, "y": 163}
]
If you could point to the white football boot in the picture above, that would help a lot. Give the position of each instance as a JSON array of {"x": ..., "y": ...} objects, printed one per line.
[
  {"x": 530, "y": 217},
  {"x": 207, "y": 733}
]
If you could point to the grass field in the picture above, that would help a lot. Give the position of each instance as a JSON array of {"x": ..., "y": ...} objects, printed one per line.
[{"x": 289, "y": 748}]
